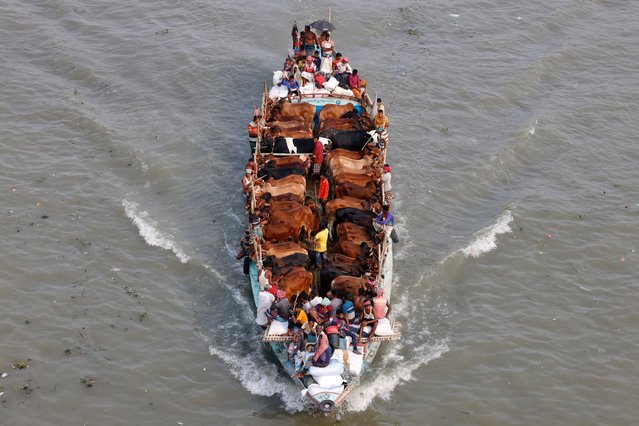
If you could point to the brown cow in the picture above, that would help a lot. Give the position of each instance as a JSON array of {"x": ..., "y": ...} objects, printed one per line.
[
  {"x": 267, "y": 197},
  {"x": 349, "y": 189},
  {"x": 284, "y": 109},
  {"x": 302, "y": 216},
  {"x": 281, "y": 250},
  {"x": 347, "y": 231},
  {"x": 334, "y": 111},
  {"x": 295, "y": 189},
  {"x": 359, "y": 177},
  {"x": 349, "y": 248},
  {"x": 348, "y": 284},
  {"x": 340, "y": 124},
  {"x": 339, "y": 203},
  {"x": 279, "y": 232},
  {"x": 287, "y": 180},
  {"x": 295, "y": 281},
  {"x": 301, "y": 133},
  {"x": 287, "y": 161},
  {"x": 355, "y": 155},
  {"x": 343, "y": 161}
]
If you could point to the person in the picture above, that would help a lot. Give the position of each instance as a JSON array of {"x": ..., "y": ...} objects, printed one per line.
[
  {"x": 292, "y": 85},
  {"x": 310, "y": 40},
  {"x": 322, "y": 192},
  {"x": 264, "y": 279},
  {"x": 344, "y": 67},
  {"x": 385, "y": 221},
  {"x": 317, "y": 60},
  {"x": 356, "y": 84},
  {"x": 327, "y": 45},
  {"x": 264, "y": 301},
  {"x": 309, "y": 69},
  {"x": 370, "y": 284},
  {"x": 323, "y": 351},
  {"x": 381, "y": 121},
  {"x": 317, "y": 157},
  {"x": 282, "y": 306},
  {"x": 336, "y": 62},
  {"x": 386, "y": 180},
  {"x": 336, "y": 302},
  {"x": 367, "y": 316},
  {"x": 245, "y": 245},
  {"x": 378, "y": 106},
  {"x": 348, "y": 307},
  {"x": 321, "y": 239},
  {"x": 300, "y": 58},
  {"x": 310, "y": 245},
  {"x": 344, "y": 328},
  {"x": 322, "y": 311},
  {"x": 381, "y": 306},
  {"x": 332, "y": 331},
  {"x": 301, "y": 319},
  {"x": 289, "y": 66},
  {"x": 253, "y": 127}
]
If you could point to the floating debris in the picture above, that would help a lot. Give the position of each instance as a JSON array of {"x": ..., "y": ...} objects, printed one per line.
[
  {"x": 67, "y": 352},
  {"x": 24, "y": 388},
  {"x": 5, "y": 374},
  {"x": 88, "y": 381},
  {"x": 20, "y": 365},
  {"x": 142, "y": 315}
]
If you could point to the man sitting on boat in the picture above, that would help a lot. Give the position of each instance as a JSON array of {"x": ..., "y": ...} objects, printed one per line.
[
  {"x": 323, "y": 350},
  {"x": 292, "y": 85}
]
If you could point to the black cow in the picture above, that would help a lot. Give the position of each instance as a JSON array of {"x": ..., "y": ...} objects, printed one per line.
[
  {"x": 282, "y": 145},
  {"x": 353, "y": 140},
  {"x": 283, "y": 265},
  {"x": 280, "y": 172},
  {"x": 356, "y": 216}
]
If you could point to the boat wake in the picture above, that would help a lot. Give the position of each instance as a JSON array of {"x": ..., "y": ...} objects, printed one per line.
[
  {"x": 486, "y": 238},
  {"x": 148, "y": 229}
]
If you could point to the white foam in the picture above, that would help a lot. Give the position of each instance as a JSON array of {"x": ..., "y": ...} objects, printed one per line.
[
  {"x": 384, "y": 383},
  {"x": 150, "y": 233},
  {"x": 260, "y": 376},
  {"x": 486, "y": 239}
]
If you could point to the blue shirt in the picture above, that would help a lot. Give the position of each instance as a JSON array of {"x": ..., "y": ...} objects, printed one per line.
[
  {"x": 390, "y": 220},
  {"x": 348, "y": 307},
  {"x": 291, "y": 86}
]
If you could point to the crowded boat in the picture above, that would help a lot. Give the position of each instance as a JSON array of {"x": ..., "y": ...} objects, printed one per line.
[{"x": 318, "y": 198}]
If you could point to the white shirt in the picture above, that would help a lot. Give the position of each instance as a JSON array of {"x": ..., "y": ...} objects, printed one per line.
[
  {"x": 264, "y": 302},
  {"x": 386, "y": 178}
]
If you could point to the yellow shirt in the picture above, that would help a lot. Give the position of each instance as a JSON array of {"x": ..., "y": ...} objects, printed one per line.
[
  {"x": 380, "y": 121},
  {"x": 302, "y": 318},
  {"x": 321, "y": 238}
]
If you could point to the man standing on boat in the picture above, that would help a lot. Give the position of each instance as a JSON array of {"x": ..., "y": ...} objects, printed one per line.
[
  {"x": 385, "y": 221},
  {"x": 321, "y": 240},
  {"x": 318, "y": 157}
]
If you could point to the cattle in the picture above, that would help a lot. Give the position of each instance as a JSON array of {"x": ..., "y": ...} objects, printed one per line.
[
  {"x": 356, "y": 216},
  {"x": 297, "y": 216},
  {"x": 271, "y": 160},
  {"x": 350, "y": 285},
  {"x": 279, "y": 232},
  {"x": 289, "y": 123},
  {"x": 267, "y": 197},
  {"x": 365, "y": 192},
  {"x": 282, "y": 265},
  {"x": 297, "y": 133},
  {"x": 334, "y": 111},
  {"x": 303, "y": 110},
  {"x": 340, "y": 124},
  {"x": 353, "y": 140},
  {"x": 296, "y": 189},
  {"x": 340, "y": 203},
  {"x": 337, "y": 160},
  {"x": 361, "y": 178},
  {"x": 288, "y": 180},
  {"x": 329, "y": 272},
  {"x": 348, "y": 248},
  {"x": 281, "y": 172},
  {"x": 294, "y": 281},
  {"x": 282, "y": 250},
  {"x": 347, "y": 231},
  {"x": 341, "y": 152},
  {"x": 294, "y": 145}
]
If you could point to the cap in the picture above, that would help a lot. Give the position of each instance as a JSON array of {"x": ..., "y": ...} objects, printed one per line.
[
  {"x": 387, "y": 169},
  {"x": 249, "y": 171},
  {"x": 345, "y": 59},
  {"x": 325, "y": 301}
]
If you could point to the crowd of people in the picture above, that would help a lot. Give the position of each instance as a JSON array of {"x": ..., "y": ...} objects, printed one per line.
[
  {"x": 323, "y": 320},
  {"x": 316, "y": 61}
]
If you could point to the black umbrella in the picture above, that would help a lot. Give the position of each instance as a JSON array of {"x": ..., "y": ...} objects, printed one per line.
[{"x": 322, "y": 25}]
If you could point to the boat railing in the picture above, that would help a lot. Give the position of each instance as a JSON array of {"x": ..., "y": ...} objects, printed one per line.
[{"x": 395, "y": 326}]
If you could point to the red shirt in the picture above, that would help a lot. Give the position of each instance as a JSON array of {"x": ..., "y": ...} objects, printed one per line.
[
  {"x": 323, "y": 189},
  {"x": 318, "y": 153}
]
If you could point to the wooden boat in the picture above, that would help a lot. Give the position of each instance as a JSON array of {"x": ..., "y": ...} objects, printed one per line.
[{"x": 346, "y": 369}]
